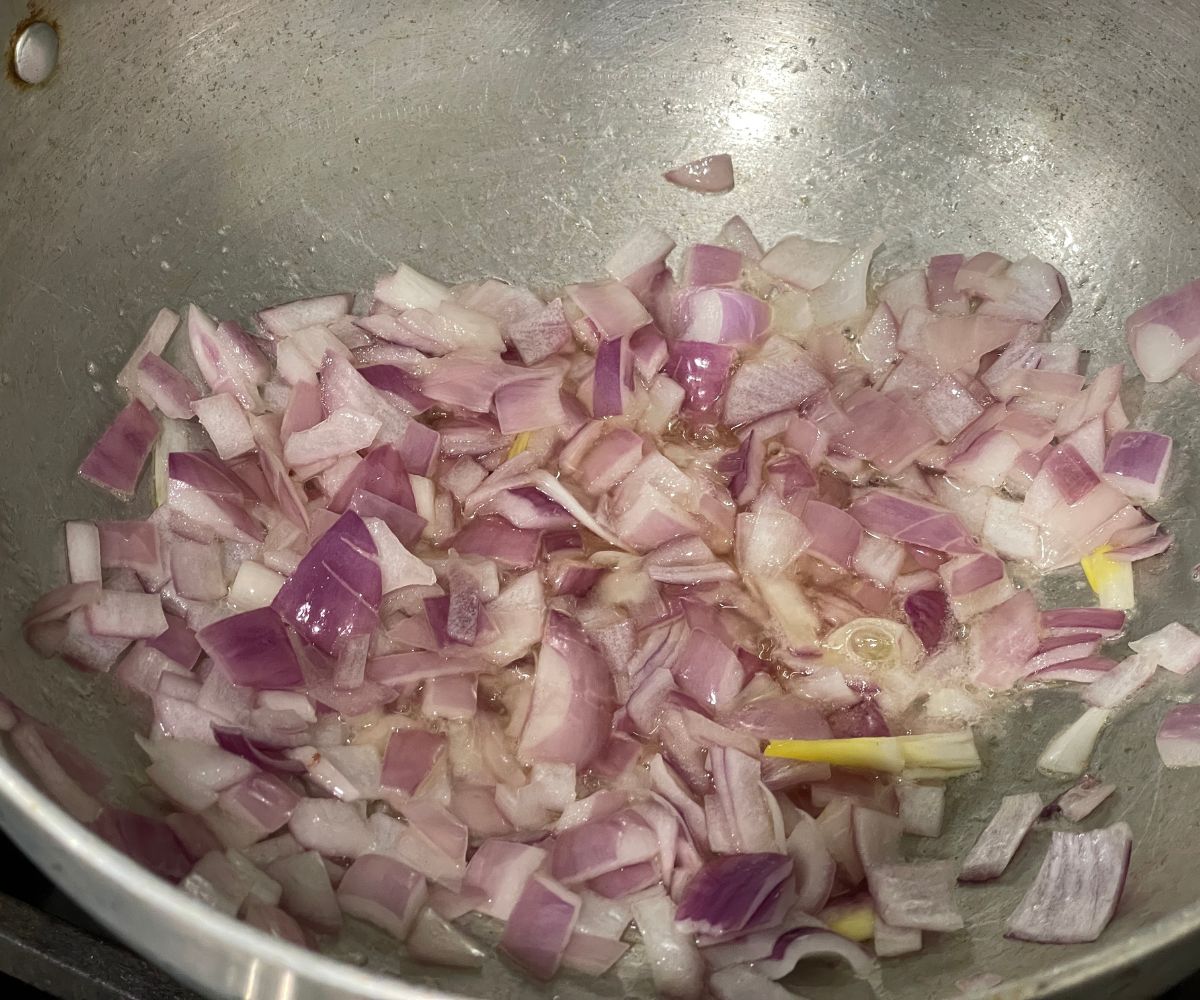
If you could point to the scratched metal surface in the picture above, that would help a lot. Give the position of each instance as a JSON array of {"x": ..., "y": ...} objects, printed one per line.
[{"x": 233, "y": 153}]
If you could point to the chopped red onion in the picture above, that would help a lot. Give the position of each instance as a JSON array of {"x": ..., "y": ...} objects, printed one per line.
[
  {"x": 573, "y": 699},
  {"x": 410, "y": 757},
  {"x": 273, "y": 921},
  {"x": 703, "y": 372},
  {"x": 780, "y": 377},
  {"x": 599, "y": 847},
  {"x": 708, "y": 670},
  {"x": 917, "y": 895},
  {"x": 31, "y": 747},
  {"x": 438, "y": 942},
  {"x": 150, "y": 842},
  {"x": 1104, "y": 621},
  {"x": 1003, "y": 640},
  {"x": 612, "y": 381},
  {"x": 710, "y": 174},
  {"x": 262, "y": 800},
  {"x": 723, "y": 316},
  {"x": 922, "y": 808},
  {"x": 890, "y": 941},
  {"x": 612, "y": 309},
  {"x": 797, "y": 944},
  {"x": 1162, "y": 333},
  {"x": 540, "y": 926},
  {"x": 115, "y": 462},
  {"x": 256, "y": 751},
  {"x": 532, "y": 403},
  {"x": 1178, "y": 738},
  {"x": 283, "y": 320},
  {"x": 155, "y": 340},
  {"x": 748, "y": 809},
  {"x": 164, "y": 386},
  {"x": 329, "y": 826},
  {"x": 999, "y": 841},
  {"x": 805, "y": 263},
  {"x": 1142, "y": 550},
  {"x": 1077, "y": 888},
  {"x": 641, "y": 259},
  {"x": 254, "y": 649},
  {"x": 813, "y": 865},
  {"x": 543, "y": 537},
  {"x": 1080, "y": 800},
  {"x": 708, "y": 264},
  {"x": 225, "y": 421},
  {"x": 1117, "y": 684},
  {"x": 336, "y": 589},
  {"x": 723, "y": 897},
  {"x": 383, "y": 892},
  {"x": 1136, "y": 463},
  {"x": 306, "y": 891},
  {"x": 83, "y": 552},
  {"x": 1173, "y": 647}
]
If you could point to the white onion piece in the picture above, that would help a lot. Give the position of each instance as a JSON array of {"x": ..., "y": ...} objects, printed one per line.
[
  {"x": 675, "y": 963},
  {"x": 890, "y": 941},
  {"x": 434, "y": 940},
  {"x": 804, "y": 263},
  {"x": 409, "y": 289},
  {"x": 306, "y": 891},
  {"x": 83, "y": 552},
  {"x": 254, "y": 586},
  {"x": 225, "y": 421},
  {"x": 922, "y": 808},
  {"x": 1069, "y": 752},
  {"x": 331, "y": 827}
]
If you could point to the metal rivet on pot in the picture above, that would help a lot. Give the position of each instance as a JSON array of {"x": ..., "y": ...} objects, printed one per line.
[{"x": 35, "y": 52}]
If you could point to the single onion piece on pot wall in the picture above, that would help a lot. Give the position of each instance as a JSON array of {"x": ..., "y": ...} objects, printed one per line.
[{"x": 1077, "y": 888}]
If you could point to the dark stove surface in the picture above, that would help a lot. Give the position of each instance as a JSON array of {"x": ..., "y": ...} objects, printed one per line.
[{"x": 51, "y": 950}]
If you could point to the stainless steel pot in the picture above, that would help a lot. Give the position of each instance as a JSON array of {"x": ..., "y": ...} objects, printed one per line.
[{"x": 231, "y": 152}]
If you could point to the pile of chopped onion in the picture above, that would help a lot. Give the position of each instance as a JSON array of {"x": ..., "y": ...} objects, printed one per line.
[{"x": 668, "y": 601}]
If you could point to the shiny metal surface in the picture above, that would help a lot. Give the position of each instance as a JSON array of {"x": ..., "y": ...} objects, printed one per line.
[
  {"x": 35, "y": 52},
  {"x": 236, "y": 152}
]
